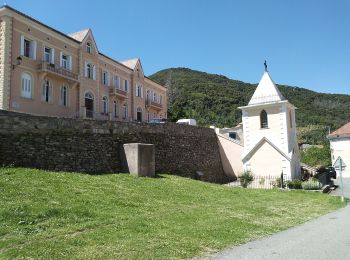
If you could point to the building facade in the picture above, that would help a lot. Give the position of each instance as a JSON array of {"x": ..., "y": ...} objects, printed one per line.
[
  {"x": 269, "y": 131},
  {"x": 340, "y": 147},
  {"x": 46, "y": 72}
]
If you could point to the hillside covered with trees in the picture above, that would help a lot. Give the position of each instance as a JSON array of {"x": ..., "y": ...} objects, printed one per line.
[{"x": 214, "y": 100}]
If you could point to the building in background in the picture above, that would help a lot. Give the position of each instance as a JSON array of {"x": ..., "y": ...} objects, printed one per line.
[
  {"x": 46, "y": 72},
  {"x": 340, "y": 146}
]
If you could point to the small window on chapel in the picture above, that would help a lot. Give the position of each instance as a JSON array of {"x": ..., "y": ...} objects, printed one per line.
[{"x": 263, "y": 119}]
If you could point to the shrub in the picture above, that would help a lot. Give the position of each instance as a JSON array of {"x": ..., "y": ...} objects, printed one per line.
[
  {"x": 278, "y": 182},
  {"x": 311, "y": 185},
  {"x": 246, "y": 178},
  {"x": 294, "y": 184}
]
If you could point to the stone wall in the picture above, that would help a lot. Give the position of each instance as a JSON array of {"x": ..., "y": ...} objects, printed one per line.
[{"x": 96, "y": 146}]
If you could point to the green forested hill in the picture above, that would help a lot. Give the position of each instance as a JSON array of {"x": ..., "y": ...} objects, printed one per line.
[{"x": 213, "y": 100}]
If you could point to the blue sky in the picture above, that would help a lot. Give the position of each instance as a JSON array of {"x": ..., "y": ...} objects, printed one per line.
[{"x": 306, "y": 42}]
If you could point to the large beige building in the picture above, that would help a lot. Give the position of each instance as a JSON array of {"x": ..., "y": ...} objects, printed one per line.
[{"x": 46, "y": 72}]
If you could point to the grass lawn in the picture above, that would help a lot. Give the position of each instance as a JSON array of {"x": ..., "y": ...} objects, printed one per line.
[{"x": 65, "y": 215}]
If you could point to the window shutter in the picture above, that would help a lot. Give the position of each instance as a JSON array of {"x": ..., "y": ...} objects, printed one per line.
[
  {"x": 60, "y": 59},
  {"x": 107, "y": 75},
  {"x": 22, "y": 45},
  {"x": 142, "y": 91},
  {"x": 70, "y": 62},
  {"x": 94, "y": 72},
  {"x": 43, "y": 92},
  {"x": 50, "y": 94},
  {"x": 33, "y": 50},
  {"x": 85, "y": 69},
  {"x": 52, "y": 56}
]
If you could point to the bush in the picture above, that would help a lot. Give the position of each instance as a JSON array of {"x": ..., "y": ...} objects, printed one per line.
[
  {"x": 246, "y": 178},
  {"x": 278, "y": 182},
  {"x": 311, "y": 185},
  {"x": 294, "y": 184}
]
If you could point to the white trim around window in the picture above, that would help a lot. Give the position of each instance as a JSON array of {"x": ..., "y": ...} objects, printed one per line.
[
  {"x": 64, "y": 96},
  {"x": 26, "y": 85},
  {"x": 28, "y": 47}
]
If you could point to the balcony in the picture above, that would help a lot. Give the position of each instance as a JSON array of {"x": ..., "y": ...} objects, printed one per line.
[
  {"x": 61, "y": 72},
  {"x": 154, "y": 105},
  {"x": 118, "y": 92}
]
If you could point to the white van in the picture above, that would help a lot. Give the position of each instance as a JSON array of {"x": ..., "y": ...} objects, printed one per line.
[{"x": 187, "y": 122}]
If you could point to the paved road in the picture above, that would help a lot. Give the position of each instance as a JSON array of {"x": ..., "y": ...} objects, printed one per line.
[{"x": 327, "y": 237}]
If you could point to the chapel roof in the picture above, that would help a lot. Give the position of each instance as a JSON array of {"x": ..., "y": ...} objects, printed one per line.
[{"x": 266, "y": 91}]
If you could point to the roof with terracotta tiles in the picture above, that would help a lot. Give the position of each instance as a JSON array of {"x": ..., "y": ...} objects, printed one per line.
[{"x": 344, "y": 130}]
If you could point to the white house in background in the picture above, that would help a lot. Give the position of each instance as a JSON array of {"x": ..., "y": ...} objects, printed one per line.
[
  {"x": 340, "y": 146},
  {"x": 269, "y": 146}
]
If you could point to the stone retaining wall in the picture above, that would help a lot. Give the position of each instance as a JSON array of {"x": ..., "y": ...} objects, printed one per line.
[{"x": 95, "y": 146}]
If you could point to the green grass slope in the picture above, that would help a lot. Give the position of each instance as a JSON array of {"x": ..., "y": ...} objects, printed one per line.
[
  {"x": 76, "y": 216},
  {"x": 213, "y": 99}
]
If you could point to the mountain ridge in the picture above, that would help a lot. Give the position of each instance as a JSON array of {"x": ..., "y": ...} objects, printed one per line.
[{"x": 213, "y": 99}]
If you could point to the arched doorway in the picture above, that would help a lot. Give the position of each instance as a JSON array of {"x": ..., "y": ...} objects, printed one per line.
[
  {"x": 139, "y": 114},
  {"x": 89, "y": 104}
]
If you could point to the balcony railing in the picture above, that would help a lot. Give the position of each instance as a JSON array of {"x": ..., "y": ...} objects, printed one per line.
[
  {"x": 52, "y": 68},
  {"x": 152, "y": 104},
  {"x": 118, "y": 92}
]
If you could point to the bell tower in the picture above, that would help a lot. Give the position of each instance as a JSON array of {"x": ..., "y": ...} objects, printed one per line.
[{"x": 269, "y": 130}]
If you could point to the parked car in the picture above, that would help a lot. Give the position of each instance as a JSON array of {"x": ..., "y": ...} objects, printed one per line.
[
  {"x": 158, "y": 121},
  {"x": 187, "y": 122}
]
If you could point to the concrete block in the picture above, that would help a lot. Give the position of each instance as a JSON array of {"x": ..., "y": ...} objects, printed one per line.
[{"x": 140, "y": 159}]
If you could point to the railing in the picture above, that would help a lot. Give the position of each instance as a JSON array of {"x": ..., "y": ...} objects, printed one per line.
[
  {"x": 149, "y": 103},
  {"x": 263, "y": 182},
  {"x": 58, "y": 70},
  {"x": 118, "y": 92}
]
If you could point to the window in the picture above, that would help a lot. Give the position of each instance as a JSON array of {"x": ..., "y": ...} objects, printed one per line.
[
  {"x": 115, "y": 109},
  {"x": 290, "y": 119},
  {"x": 88, "y": 47},
  {"x": 28, "y": 48},
  {"x": 139, "y": 114},
  {"x": 160, "y": 99},
  {"x": 26, "y": 90},
  {"x": 117, "y": 82},
  {"x": 105, "y": 78},
  {"x": 66, "y": 61},
  {"x": 64, "y": 96},
  {"x": 139, "y": 92},
  {"x": 46, "y": 92},
  {"x": 48, "y": 55},
  {"x": 126, "y": 85},
  {"x": 154, "y": 97},
  {"x": 232, "y": 135},
  {"x": 125, "y": 108},
  {"x": 105, "y": 105},
  {"x": 263, "y": 119},
  {"x": 90, "y": 71}
]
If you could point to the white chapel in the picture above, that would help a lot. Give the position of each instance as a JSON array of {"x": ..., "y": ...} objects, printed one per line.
[{"x": 269, "y": 132}]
